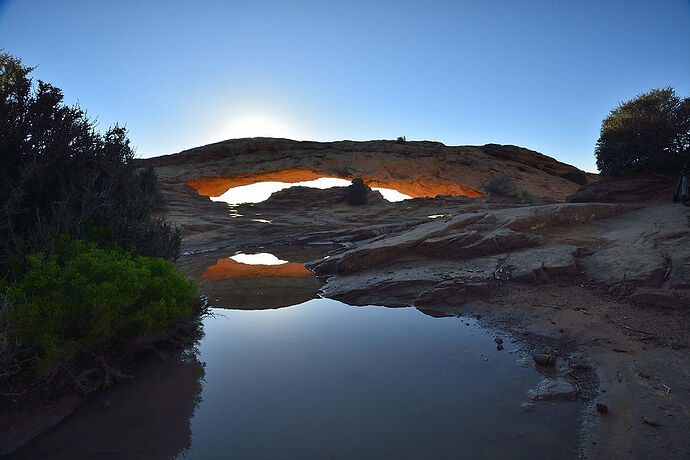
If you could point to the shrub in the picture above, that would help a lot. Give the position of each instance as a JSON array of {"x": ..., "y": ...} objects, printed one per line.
[
  {"x": 85, "y": 300},
  {"x": 401, "y": 140},
  {"x": 649, "y": 133},
  {"x": 524, "y": 196},
  {"x": 356, "y": 193},
  {"x": 577, "y": 177},
  {"x": 60, "y": 176},
  {"x": 501, "y": 186}
]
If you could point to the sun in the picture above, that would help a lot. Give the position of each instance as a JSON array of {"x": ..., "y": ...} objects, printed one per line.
[{"x": 258, "y": 125}]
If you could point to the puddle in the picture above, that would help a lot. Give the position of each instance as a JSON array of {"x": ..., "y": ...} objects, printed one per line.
[
  {"x": 261, "y": 265},
  {"x": 261, "y": 191},
  {"x": 326, "y": 380},
  {"x": 260, "y": 258},
  {"x": 257, "y": 281}
]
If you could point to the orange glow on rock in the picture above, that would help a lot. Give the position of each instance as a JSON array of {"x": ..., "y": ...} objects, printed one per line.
[
  {"x": 416, "y": 188},
  {"x": 228, "y": 269}
]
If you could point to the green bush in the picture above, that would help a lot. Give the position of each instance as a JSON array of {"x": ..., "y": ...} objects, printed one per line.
[
  {"x": 501, "y": 186},
  {"x": 86, "y": 300},
  {"x": 650, "y": 133},
  {"x": 524, "y": 196}
]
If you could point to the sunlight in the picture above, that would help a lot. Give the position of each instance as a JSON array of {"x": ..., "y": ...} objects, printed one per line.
[
  {"x": 391, "y": 195},
  {"x": 261, "y": 191},
  {"x": 258, "y": 125}
]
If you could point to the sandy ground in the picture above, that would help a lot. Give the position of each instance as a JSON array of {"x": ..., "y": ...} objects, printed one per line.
[{"x": 639, "y": 353}]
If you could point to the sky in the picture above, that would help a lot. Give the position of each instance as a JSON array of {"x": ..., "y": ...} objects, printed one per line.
[{"x": 179, "y": 74}]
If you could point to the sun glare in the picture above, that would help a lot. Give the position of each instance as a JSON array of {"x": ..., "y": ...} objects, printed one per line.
[{"x": 258, "y": 125}]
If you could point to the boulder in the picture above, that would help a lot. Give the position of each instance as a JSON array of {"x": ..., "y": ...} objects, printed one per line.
[
  {"x": 617, "y": 264},
  {"x": 553, "y": 390},
  {"x": 657, "y": 297},
  {"x": 538, "y": 264}
]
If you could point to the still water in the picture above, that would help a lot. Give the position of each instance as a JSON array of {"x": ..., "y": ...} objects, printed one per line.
[{"x": 324, "y": 380}]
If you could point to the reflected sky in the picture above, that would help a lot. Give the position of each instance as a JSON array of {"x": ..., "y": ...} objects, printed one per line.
[
  {"x": 261, "y": 258},
  {"x": 261, "y": 191},
  {"x": 261, "y": 265},
  {"x": 326, "y": 380}
]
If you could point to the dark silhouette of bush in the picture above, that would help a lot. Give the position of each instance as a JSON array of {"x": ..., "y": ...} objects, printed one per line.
[
  {"x": 356, "y": 193},
  {"x": 401, "y": 140},
  {"x": 60, "y": 176},
  {"x": 577, "y": 177},
  {"x": 500, "y": 186},
  {"x": 650, "y": 133}
]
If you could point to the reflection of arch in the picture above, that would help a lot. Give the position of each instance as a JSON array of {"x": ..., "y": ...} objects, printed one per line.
[
  {"x": 147, "y": 418},
  {"x": 260, "y": 293}
]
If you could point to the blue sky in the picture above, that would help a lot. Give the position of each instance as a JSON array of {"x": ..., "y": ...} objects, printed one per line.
[{"x": 539, "y": 74}]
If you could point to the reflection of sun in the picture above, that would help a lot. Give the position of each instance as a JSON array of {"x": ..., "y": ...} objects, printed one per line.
[{"x": 258, "y": 125}]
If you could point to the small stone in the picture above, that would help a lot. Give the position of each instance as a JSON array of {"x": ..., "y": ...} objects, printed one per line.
[
  {"x": 644, "y": 376},
  {"x": 553, "y": 390},
  {"x": 498, "y": 340},
  {"x": 603, "y": 408},
  {"x": 544, "y": 359},
  {"x": 499, "y": 347},
  {"x": 649, "y": 421}
]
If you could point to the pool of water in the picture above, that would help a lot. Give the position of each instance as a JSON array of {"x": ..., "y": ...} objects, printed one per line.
[{"x": 324, "y": 380}]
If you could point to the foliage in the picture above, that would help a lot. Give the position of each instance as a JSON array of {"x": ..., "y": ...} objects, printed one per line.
[
  {"x": 84, "y": 300},
  {"x": 648, "y": 133},
  {"x": 501, "y": 186},
  {"x": 401, "y": 140},
  {"x": 524, "y": 196},
  {"x": 575, "y": 176},
  {"x": 356, "y": 193},
  {"x": 60, "y": 176}
]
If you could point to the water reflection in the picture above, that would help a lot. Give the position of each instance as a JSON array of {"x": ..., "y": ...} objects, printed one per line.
[
  {"x": 325, "y": 380},
  {"x": 258, "y": 281},
  {"x": 229, "y": 268},
  {"x": 260, "y": 258},
  {"x": 147, "y": 418}
]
